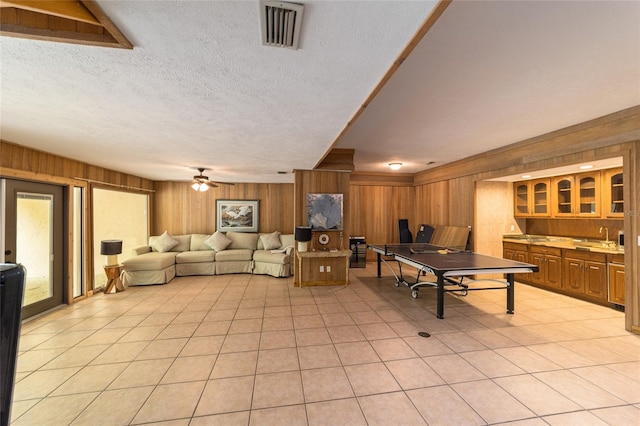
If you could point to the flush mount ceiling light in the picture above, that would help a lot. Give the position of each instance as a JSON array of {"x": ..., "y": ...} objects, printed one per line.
[
  {"x": 586, "y": 167},
  {"x": 395, "y": 166},
  {"x": 526, "y": 176}
]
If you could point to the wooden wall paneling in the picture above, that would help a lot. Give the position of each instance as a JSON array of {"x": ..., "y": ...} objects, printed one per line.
[
  {"x": 375, "y": 211},
  {"x": 461, "y": 201},
  {"x": 432, "y": 203},
  {"x": 181, "y": 210}
]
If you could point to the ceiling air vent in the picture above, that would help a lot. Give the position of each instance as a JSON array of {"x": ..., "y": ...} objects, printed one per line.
[{"x": 281, "y": 23}]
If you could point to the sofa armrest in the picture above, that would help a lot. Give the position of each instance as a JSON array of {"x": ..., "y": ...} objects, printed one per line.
[{"x": 140, "y": 250}]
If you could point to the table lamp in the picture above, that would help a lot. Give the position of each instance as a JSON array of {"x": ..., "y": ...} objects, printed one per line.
[
  {"x": 111, "y": 249},
  {"x": 302, "y": 236}
]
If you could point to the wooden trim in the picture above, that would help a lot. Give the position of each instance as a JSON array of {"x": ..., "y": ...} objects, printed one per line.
[
  {"x": 107, "y": 24},
  {"x": 62, "y": 8},
  {"x": 382, "y": 179},
  {"x": 77, "y": 22}
]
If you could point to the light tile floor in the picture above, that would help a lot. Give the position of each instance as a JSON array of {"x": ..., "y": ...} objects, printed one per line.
[{"x": 254, "y": 350}]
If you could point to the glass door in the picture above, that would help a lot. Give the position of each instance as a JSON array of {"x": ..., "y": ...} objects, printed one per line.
[{"x": 34, "y": 238}]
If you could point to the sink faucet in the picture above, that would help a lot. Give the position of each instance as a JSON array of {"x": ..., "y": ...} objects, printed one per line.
[{"x": 606, "y": 233}]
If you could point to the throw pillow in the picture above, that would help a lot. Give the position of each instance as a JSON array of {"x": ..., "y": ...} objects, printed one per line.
[
  {"x": 271, "y": 241},
  {"x": 164, "y": 243},
  {"x": 218, "y": 241}
]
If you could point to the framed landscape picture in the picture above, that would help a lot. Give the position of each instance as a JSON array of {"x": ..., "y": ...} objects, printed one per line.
[{"x": 237, "y": 215}]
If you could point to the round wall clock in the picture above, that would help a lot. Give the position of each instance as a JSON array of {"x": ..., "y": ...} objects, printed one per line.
[{"x": 323, "y": 239}]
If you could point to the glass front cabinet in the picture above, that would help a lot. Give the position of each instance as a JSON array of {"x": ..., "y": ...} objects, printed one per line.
[
  {"x": 613, "y": 196},
  {"x": 540, "y": 197},
  {"x": 564, "y": 196},
  {"x": 588, "y": 185},
  {"x": 592, "y": 194},
  {"x": 521, "y": 199}
]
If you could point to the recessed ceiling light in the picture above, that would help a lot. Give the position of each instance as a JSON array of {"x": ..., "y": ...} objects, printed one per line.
[
  {"x": 526, "y": 176},
  {"x": 395, "y": 166},
  {"x": 586, "y": 167}
]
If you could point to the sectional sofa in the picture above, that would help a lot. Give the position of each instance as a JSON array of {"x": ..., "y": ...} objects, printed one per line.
[{"x": 167, "y": 256}]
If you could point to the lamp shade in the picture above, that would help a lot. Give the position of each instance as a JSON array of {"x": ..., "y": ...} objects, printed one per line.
[
  {"x": 110, "y": 247},
  {"x": 303, "y": 233}
]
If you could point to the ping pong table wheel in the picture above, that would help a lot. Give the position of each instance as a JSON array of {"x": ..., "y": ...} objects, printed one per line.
[
  {"x": 397, "y": 284},
  {"x": 414, "y": 294}
]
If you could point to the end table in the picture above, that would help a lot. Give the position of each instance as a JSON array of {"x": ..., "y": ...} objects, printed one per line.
[{"x": 113, "y": 278}]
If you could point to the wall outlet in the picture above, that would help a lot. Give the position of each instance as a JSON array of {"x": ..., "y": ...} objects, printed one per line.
[
  {"x": 512, "y": 228},
  {"x": 328, "y": 268},
  {"x": 321, "y": 268}
]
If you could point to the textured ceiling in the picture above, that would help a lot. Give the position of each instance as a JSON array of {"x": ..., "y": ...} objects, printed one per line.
[{"x": 199, "y": 89}]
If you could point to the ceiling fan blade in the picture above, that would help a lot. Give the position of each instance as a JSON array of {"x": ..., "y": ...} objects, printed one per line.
[
  {"x": 225, "y": 183},
  {"x": 211, "y": 184}
]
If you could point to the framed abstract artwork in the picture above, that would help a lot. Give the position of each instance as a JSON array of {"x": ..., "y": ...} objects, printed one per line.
[{"x": 324, "y": 211}]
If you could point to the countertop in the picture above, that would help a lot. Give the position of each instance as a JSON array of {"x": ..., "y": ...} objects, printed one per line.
[{"x": 598, "y": 246}]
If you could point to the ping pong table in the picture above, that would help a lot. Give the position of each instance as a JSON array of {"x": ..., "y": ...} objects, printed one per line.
[{"x": 446, "y": 264}]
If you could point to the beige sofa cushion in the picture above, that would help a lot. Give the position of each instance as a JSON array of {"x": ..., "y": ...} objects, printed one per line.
[
  {"x": 218, "y": 241},
  {"x": 243, "y": 240},
  {"x": 198, "y": 242},
  {"x": 233, "y": 255},
  {"x": 184, "y": 243},
  {"x": 150, "y": 261},
  {"x": 267, "y": 257},
  {"x": 199, "y": 256},
  {"x": 269, "y": 241},
  {"x": 163, "y": 243}
]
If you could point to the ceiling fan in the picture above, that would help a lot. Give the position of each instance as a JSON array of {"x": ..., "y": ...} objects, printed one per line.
[{"x": 202, "y": 183}]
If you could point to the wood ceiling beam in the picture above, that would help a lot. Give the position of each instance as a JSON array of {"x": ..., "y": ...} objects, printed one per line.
[
  {"x": 68, "y": 9},
  {"x": 66, "y": 21}
]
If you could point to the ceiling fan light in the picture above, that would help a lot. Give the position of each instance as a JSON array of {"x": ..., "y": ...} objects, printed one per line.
[{"x": 200, "y": 186}]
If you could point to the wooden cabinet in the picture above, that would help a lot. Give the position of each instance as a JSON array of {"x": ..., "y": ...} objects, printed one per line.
[
  {"x": 585, "y": 273},
  {"x": 521, "y": 198},
  {"x": 563, "y": 196},
  {"x": 540, "y": 197},
  {"x": 515, "y": 251},
  {"x": 616, "y": 279},
  {"x": 322, "y": 268},
  {"x": 549, "y": 262},
  {"x": 612, "y": 187},
  {"x": 531, "y": 198},
  {"x": 588, "y": 194},
  {"x": 592, "y": 276}
]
